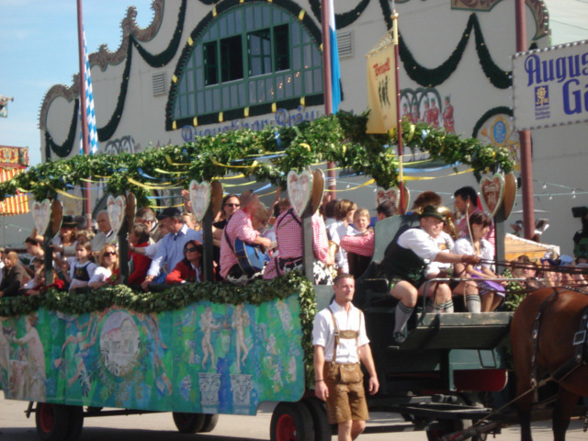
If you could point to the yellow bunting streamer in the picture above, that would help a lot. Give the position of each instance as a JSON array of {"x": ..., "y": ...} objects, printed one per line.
[
  {"x": 153, "y": 187},
  {"x": 71, "y": 196},
  {"x": 224, "y": 178},
  {"x": 177, "y": 164},
  {"x": 190, "y": 41},
  {"x": 214, "y": 11},
  {"x": 235, "y": 166},
  {"x": 267, "y": 194},
  {"x": 239, "y": 185},
  {"x": 365, "y": 184},
  {"x": 301, "y": 14},
  {"x": 165, "y": 172}
]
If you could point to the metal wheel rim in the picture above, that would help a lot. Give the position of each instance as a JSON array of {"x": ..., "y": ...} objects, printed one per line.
[
  {"x": 46, "y": 418},
  {"x": 286, "y": 428}
]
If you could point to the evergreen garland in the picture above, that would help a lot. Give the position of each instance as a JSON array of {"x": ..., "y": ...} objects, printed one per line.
[
  {"x": 340, "y": 138},
  {"x": 177, "y": 297},
  {"x": 168, "y": 53},
  {"x": 64, "y": 149},
  {"x": 341, "y": 20}
]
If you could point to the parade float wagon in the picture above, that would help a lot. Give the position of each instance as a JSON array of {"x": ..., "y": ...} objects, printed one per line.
[{"x": 199, "y": 350}]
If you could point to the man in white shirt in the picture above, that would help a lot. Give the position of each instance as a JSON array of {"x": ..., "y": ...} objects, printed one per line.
[
  {"x": 171, "y": 248},
  {"x": 340, "y": 343},
  {"x": 405, "y": 267},
  {"x": 105, "y": 235}
]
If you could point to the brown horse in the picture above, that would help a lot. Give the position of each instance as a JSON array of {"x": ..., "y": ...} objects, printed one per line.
[{"x": 561, "y": 311}]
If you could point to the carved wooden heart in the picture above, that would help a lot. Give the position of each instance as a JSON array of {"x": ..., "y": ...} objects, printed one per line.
[
  {"x": 493, "y": 192},
  {"x": 510, "y": 193},
  {"x": 115, "y": 206},
  {"x": 393, "y": 195},
  {"x": 41, "y": 215},
  {"x": 200, "y": 198},
  {"x": 299, "y": 190},
  {"x": 318, "y": 189}
]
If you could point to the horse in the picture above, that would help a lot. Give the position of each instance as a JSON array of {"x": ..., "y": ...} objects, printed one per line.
[{"x": 555, "y": 316}]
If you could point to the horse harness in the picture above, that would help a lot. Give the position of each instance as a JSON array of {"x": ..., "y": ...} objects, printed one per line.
[{"x": 580, "y": 343}]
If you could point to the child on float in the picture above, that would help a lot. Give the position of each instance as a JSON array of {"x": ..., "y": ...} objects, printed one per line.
[{"x": 81, "y": 269}]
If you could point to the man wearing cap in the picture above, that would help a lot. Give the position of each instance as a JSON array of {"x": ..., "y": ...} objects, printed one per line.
[
  {"x": 105, "y": 235},
  {"x": 171, "y": 248},
  {"x": 406, "y": 263}
]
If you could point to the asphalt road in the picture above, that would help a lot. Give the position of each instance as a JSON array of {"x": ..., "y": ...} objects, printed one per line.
[{"x": 14, "y": 426}]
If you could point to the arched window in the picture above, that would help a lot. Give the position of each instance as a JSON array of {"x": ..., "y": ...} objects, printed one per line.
[{"x": 243, "y": 61}]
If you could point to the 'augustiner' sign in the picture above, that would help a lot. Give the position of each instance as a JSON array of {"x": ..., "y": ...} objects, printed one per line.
[{"x": 551, "y": 86}]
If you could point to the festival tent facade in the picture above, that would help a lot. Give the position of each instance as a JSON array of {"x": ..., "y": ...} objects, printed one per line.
[{"x": 201, "y": 69}]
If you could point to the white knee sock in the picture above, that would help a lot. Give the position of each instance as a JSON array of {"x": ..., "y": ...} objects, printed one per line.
[
  {"x": 401, "y": 316},
  {"x": 473, "y": 303},
  {"x": 448, "y": 306}
]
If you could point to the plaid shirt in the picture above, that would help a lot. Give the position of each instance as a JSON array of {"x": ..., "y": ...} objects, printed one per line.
[
  {"x": 362, "y": 244},
  {"x": 239, "y": 226}
]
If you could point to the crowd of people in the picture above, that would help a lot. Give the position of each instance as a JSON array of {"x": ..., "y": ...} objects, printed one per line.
[{"x": 167, "y": 249}]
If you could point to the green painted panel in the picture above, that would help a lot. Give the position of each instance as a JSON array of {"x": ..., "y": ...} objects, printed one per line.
[{"x": 206, "y": 357}]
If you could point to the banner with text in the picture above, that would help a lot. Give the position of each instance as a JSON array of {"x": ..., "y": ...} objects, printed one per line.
[
  {"x": 551, "y": 86},
  {"x": 381, "y": 70}
]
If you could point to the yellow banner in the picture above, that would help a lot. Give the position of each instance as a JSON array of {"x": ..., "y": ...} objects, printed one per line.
[{"x": 381, "y": 81}]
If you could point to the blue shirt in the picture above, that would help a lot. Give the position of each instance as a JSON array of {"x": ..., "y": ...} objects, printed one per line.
[{"x": 171, "y": 249}]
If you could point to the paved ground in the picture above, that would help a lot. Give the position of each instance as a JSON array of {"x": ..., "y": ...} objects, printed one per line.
[{"x": 14, "y": 426}]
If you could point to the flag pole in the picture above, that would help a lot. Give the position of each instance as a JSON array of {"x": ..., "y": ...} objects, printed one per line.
[
  {"x": 525, "y": 136},
  {"x": 328, "y": 92},
  {"x": 82, "y": 84},
  {"x": 401, "y": 203}
]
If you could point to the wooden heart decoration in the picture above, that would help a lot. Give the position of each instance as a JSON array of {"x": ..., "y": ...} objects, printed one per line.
[
  {"x": 510, "y": 193},
  {"x": 56, "y": 217},
  {"x": 493, "y": 192},
  {"x": 115, "y": 206},
  {"x": 299, "y": 190},
  {"x": 393, "y": 195},
  {"x": 131, "y": 210},
  {"x": 318, "y": 189},
  {"x": 216, "y": 198},
  {"x": 200, "y": 198},
  {"x": 41, "y": 215}
]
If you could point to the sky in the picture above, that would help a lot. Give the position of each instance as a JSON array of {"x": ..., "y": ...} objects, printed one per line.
[{"x": 39, "y": 48}]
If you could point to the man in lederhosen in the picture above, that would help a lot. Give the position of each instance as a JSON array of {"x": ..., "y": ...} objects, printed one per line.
[{"x": 340, "y": 343}]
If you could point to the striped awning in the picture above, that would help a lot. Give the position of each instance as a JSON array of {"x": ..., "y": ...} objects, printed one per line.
[{"x": 14, "y": 205}]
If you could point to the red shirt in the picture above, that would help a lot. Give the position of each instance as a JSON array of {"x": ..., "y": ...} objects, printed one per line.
[
  {"x": 183, "y": 272},
  {"x": 140, "y": 266}
]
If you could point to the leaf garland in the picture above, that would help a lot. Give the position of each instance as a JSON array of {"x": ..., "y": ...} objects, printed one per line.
[
  {"x": 340, "y": 138},
  {"x": 177, "y": 297}
]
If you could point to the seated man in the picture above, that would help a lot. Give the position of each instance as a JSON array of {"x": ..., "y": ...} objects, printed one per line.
[
  {"x": 405, "y": 267},
  {"x": 239, "y": 226}
]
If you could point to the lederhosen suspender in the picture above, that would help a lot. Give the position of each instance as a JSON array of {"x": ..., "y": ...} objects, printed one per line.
[{"x": 346, "y": 334}]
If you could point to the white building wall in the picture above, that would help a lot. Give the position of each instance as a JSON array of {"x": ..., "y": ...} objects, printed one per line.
[{"x": 430, "y": 28}]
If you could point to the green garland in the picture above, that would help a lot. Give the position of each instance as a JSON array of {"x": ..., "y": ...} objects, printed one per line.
[
  {"x": 341, "y": 20},
  {"x": 438, "y": 75},
  {"x": 340, "y": 138},
  {"x": 64, "y": 149},
  {"x": 177, "y": 297}
]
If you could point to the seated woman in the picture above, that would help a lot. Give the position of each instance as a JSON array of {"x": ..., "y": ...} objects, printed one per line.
[
  {"x": 189, "y": 269},
  {"x": 107, "y": 271},
  {"x": 358, "y": 259},
  {"x": 491, "y": 293},
  {"x": 288, "y": 230},
  {"x": 14, "y": 275},
  {"x": 138, "y": 263}
]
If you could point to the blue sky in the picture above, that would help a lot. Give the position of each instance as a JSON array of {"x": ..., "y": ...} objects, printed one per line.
[{"x": 39, "y": 49}]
